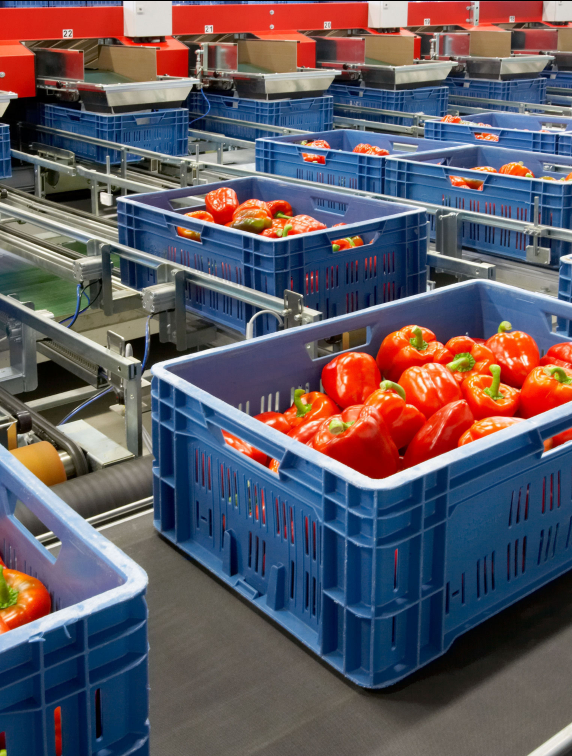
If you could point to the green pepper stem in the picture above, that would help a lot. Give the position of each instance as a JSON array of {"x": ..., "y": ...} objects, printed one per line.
[
  {"x": 335, "y": 247},
  {"x": 8, "y": 596},
  {"x": 559, "y": 374},
  {"x": 281, "y": 215},
  {"x": 350, "y": 241},
  {"x": 338, "y": 426},
  {"x": 494, "y": 389},
  {"x": 286, "y": 229},
  {"x": 4, "y": 590},
  {"x": 463, "y": 362},
  {"x": 391, "y": 386},
  {"x": 301, "y": 408},
  {"x": 417, "y": 340},
  {"x": 505, "y": 326}
]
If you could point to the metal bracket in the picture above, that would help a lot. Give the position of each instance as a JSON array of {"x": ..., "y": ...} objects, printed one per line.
[
  {"x": 448, "y": 233},
  {"x": 106, "y": 298},
  {"x": 534, "y": 252},
  {"x": 116, "y": 343},
  {"x": 293, "y": 309},
  {"x": 474, "y": 13}
]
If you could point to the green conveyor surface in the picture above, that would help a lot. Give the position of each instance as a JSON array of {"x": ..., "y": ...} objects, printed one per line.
[
  {"x": 251, "y": 68},
  {"x": 45, "y": 290}
]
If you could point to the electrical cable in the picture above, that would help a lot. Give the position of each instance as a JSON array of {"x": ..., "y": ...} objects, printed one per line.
[
  {"x": 107, "y": 390},
  {"x": 90, "y": 303},
  {"x": 204, "y": 114}
]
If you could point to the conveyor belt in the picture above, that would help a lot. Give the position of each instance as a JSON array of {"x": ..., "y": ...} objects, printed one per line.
[{"x": 224, "y": 680}]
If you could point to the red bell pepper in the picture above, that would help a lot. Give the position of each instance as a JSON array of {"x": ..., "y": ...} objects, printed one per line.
[
  {"x": 402, "y": 419},
  {"x": 221, "y": 204},
  {"x": 316, "y": 143},
  {"x": 516, "y": 169},
  {"x": 430, "y": 387},
  {"x": 474, "y": 183},
  {"x": 310, "y": 406},
  {"x": 347, "y": 243},
  {"x": 469, "y": 358},
  {"x": 488, "y": 397},
  {"x": 251, "y": 204},
  {"x": 245, "y": 448},
  {"x": 275, "y": 420},
  {"x": 303, "y": 224},
  {"x": 274, "y": 465},
  {"x": 280, "y": 209},
  {"x": 544, "y": 361},
  {"x": 363, "y": 444},
  {"x": 440, "y": 434},
  {"x": 253, "y": 220},
  {"x": 407, "y": 425},
  {"x": 23, "y": 599},
  {"x": 544, "y": 389},
  {"x": 485, "y": 169},
  {"x": 487, "y": 137},
  {"x": 276, "y": 230},
  {"x": 305, "y": 433},
  {"x": 408, "y": 347},
  {"x": 388, "y": 400},
  {"x": 310, "y": 157},
  {"x": 369, "y": 149},
  {"x": 199, "y": 215},
  {"x": 451, "y": 119},
  {"x": 486, "y": 427},
  {"x": 561, "y": 352},
  {"x": 350, "y": 378},
  {"x": 516, "y": 352},
  {"x": 561, "y": 438},
  {"x": 458, "y": 182}
]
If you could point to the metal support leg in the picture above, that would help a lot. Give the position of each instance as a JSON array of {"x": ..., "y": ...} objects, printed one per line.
[
  {"x": 38, "y": 187},
  {"x": 133, "y": 416},
  {"x": 448, "y": 233},
  {"x": 183, "y": 174},
  {"x": 94, "y": 198}
]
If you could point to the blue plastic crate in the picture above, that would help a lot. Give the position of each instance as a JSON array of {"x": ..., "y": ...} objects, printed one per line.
[
  {"x": 24, "y": 4},
  {"x": 67, "y": 3},
  {"x": 392, "y": 266},
  {"x": 428, "y": 100},
  {"x": 309, "y": 113},
  {"x": 90, "y": 655},
  {"x": 5, "y": 159},
  {"x": 163, "y": 131},
  {"x": 377, "y": 577},
  {"x": 518, "y": 90},
  {"x": 561, "y": 79},
  {"x": 514, "y": 130},
  {"x": 427, "y": 179},
  {"x": 283, "y": 156}
]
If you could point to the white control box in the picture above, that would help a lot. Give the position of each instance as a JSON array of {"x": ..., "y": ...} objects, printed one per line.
[
  {"x": 387, "y": 15},
  {"x": 557, "y": 11},
  {"x": 147, "y": 19}
]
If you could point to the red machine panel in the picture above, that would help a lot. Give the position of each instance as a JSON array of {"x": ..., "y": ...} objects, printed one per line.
[{"x": 17, "y": 64}]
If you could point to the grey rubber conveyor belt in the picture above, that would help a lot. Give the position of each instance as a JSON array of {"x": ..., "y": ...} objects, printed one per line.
[{"x": 226, "y": 682}]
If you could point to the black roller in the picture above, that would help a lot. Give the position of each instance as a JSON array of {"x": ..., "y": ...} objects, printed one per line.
[{"x": 100, "y": 492}]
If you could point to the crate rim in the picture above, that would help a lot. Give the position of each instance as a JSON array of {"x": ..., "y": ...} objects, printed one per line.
[
  {"x": 448, "y": 151},
  {"x": 27, "y": 487},
  {"x": 402, "y": 209},
  {"x": 557, "y": 419}
]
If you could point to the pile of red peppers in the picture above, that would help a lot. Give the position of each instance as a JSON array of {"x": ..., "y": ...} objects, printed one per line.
[
  {"x": 272, "y": 220},
  {"x": 420, "y": 398}
]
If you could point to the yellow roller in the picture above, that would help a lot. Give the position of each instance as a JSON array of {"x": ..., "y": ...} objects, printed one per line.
[{"x": 43, "y": 460}]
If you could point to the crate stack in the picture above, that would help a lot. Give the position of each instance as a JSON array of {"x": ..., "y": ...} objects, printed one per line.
[
  {"x": 432, "y": 101},
  {"x": 5, "y": 161}
]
